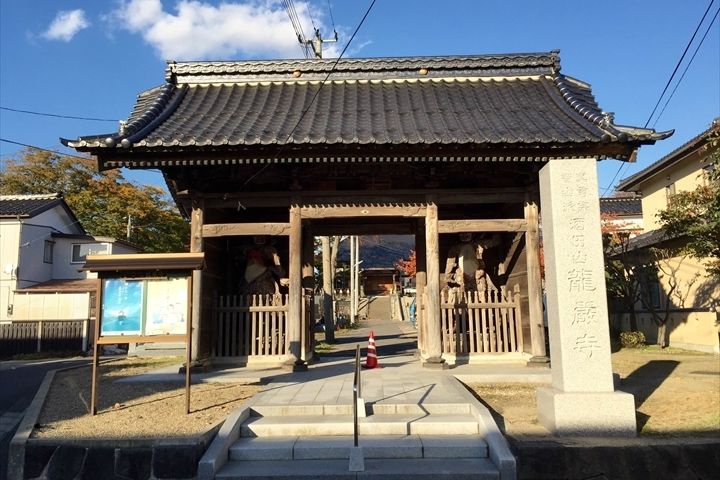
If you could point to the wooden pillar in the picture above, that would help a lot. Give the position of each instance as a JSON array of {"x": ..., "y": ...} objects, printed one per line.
[
  {"x": 535, "y": 305},
  {"x": 420, "y": 281},
  {"x": 196, "y": 246},
  {"x": 432, "y": 290},
  {"x": 308, "y": 287},
  {"x": 295, "y": 362}
]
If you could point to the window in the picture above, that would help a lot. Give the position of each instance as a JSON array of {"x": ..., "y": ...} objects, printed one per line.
[
  {"x": 82, "y": 250},
  {"x": 48, "y": 251}
]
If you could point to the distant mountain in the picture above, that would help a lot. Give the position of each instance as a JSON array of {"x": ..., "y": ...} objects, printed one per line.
[{"x": 379, "y": 251}]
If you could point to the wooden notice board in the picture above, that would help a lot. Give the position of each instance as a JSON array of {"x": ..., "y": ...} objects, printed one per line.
[{"x": 144, "y": 298}]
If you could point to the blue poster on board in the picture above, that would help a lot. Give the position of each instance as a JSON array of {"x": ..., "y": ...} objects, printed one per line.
[{"x": 122, "y": 307}]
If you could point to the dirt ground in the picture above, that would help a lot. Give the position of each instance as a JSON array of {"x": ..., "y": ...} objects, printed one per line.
[
  {"x": 134, "y": 410},
  {"x": 677, "y": 393}
]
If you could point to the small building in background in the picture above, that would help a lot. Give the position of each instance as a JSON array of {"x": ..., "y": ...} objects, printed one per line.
[{"x": 379, "y": 281}]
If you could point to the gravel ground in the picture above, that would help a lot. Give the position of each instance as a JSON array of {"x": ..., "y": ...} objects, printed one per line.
[
  {"x": 134, "y": 410},
  {"x": 677, "y": 393}
]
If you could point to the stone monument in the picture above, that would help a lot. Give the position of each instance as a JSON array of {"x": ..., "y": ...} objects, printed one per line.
[{"x": 582, "y": 399}]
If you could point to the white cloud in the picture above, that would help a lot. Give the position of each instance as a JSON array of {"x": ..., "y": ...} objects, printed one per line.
[
  {"x": 199, "y": 30},
  {"x": 66, "y": 24}
]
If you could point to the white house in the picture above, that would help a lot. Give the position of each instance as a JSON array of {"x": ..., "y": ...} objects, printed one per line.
[{"x": 42, "y": 247}]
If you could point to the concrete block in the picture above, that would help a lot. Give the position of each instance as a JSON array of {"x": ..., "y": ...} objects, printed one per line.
[
  {"x": 453, "y": 446},
  {"x": 66, "y": 462},
  {"x": 357, "y": 461},
  {"x": 263, "y": 448},
  {"x": 134, "y": 463},
  {"x": 584, "y": 413}
]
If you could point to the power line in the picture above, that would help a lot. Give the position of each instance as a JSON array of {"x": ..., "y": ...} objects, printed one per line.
[
  {"x": 677, "y": 66},
  {"x": 679, "y": 62},
  {"x": 42, "y": 149},
  {"x": 71, "y": 117},
  {"x": 307, "y": 7},
  {"x": 331, "y": 15},
  {"x": 332, "y": 69},
  {"x": 702, "y": 40}
]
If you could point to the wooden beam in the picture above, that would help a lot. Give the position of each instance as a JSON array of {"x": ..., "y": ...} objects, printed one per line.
[
  {"x": 295, "y": 361},
  {"x": 369, "y": 211},
  {"x": 196, "y": 246},
  {"x": 490, "y": 225},
  {"x": 235, "y": 229},
  {"x": 535, "y": 306},
  {"x": 329, "y": 229},
  {"x": 333, "y": 197},
  {"x": 432, "y": 289}
]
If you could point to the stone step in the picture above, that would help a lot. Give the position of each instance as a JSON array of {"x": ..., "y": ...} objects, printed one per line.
[
  {"x": 311, "y": 425},
  {"x": 396, "y": 469},
  {"x": 374, "y": 446},
  {"x": 378, "y": 408}
]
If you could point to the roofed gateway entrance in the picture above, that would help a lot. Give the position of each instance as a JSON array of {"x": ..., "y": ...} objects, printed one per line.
[{"x": 436, "y": 147}]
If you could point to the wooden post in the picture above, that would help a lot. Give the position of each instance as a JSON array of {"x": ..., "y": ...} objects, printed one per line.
[
  {"x": 535, "y": 306},
  {"x": 96, "y": 335},
  {"x": 308, "y": 283},
  {"x": 420, "y": 281},
  {"x": 196, "y": 246},
  {"x": 295, "y": 362},
  {"x": 188, "y": 346},
  {"x": 432, "y": 290},
  {"x": 328, "y": 293}
]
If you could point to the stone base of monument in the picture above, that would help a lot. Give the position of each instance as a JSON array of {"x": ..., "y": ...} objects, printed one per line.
[{"x": 587, "y": 413}]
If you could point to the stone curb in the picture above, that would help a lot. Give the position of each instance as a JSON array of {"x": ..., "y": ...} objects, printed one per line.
[
  {"x": 216, "y": 456},
  {"x": 16, "y": 449},
  {"x": 498, "y": 447}
]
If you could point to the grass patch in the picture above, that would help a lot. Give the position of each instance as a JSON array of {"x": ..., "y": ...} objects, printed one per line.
[{"x": 323, "y": 347}]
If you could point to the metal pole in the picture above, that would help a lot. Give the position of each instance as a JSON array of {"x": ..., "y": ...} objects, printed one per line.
[{"x": 352, "y": 278}]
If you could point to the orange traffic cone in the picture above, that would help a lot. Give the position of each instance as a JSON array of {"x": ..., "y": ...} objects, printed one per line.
[{"x": 371, "y": 360}]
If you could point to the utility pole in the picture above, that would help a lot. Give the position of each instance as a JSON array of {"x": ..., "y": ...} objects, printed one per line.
[
  {"x": 129, "y": 227},
  {"x": 317, "y": 43}
]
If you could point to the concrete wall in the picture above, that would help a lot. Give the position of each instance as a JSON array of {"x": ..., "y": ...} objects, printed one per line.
[
  {"x": 51, "y": 306},
  {"x": 690, "y": 330},
  {"x": 686, "y": 174}
]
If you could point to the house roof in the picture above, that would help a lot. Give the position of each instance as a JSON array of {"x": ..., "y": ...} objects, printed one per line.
[
  {"x": 683, "y": 150},
  {"x": 80, "y": 285},
  {"x": 514, "y": 106},
  {"x": 623, "y": 206},
  {"x": 29, "y": 206}
]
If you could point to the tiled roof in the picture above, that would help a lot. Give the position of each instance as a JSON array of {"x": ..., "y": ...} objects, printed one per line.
[
  {"x": 487, "y": 102},
  {"x": 621, "y": 206},
  {"x": 81, "y": 285},
  {"x": 691, "y": 145},
  {"x": 27, "y": 205}
]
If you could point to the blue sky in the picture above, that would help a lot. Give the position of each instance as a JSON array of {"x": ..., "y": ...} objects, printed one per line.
[{"x": 91, "y": 58}]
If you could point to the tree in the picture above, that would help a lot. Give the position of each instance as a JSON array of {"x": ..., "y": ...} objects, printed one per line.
[
  {"x": 621, "y": 265},
  {"x": 663, "y": 264},
  {"x": 695, "y": 215},
  {"x": 408, "y": 265},
  {"x": 102, "y": 201}
]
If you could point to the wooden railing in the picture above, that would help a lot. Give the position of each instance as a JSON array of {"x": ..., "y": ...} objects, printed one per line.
[
  {"x": 481, "y": 322},
  {"x": 248, "y": 325},
  {"x": 43, "y": 336}
]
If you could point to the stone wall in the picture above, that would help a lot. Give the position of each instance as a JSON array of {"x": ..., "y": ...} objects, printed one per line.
[
  {"x": 119, "y": 460},
  {"x": 638, "y": 459}
]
